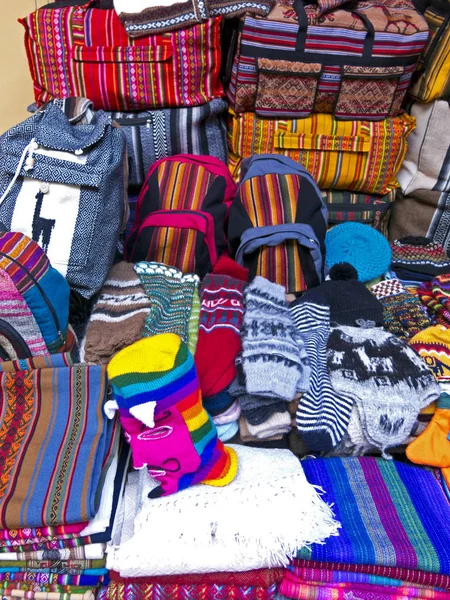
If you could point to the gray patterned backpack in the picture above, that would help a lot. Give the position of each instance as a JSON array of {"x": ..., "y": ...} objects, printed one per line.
[{"x": 63, "y": 181}]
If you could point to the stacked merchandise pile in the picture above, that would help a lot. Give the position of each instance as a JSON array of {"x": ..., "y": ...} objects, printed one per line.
[
  {"x": 229, "y": 313},
  {"x": 324, "y": 83}
]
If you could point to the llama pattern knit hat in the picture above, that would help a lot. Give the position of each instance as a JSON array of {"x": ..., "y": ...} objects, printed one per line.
[
  {"x": 361, "y": 246},
  {"x": 170, "y": 433}
]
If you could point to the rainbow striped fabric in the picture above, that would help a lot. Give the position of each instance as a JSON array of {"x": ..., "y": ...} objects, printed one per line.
[
  {"x": 362, "y": 156},
  {"x": 392, "y": 514},
  {"x": 81, "y": 51},
  {"x": 55, "y": 443}
]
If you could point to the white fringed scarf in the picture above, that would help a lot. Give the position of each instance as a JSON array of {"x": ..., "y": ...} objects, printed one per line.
[{"x": 259, "y": 520}]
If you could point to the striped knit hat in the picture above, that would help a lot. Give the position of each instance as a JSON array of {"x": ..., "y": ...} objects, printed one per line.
[
  {"x": 420, "y": 256},
  {"x": 433, "y": 345},
  {"x": 156, "y": 389},
  {"x": 118, "y": 317}
]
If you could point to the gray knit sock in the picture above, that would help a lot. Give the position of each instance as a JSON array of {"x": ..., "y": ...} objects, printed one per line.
[
  {"x": 274, "y": 360},
  {"x": 387, "y": 378}
]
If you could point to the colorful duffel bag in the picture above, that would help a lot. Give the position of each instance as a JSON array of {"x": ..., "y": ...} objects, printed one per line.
[
  {"x": 83, "y": 51},
  {"x": 360, "y": 156},
  {"x": 432, "y": 78},
  {"x": 369, "y": 209},
  {"x": 352, "y": 59},
  {"x": 156, "y": 134}
]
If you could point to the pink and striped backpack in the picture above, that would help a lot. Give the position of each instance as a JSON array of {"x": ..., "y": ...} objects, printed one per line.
[{"x": 181, "y": 214}]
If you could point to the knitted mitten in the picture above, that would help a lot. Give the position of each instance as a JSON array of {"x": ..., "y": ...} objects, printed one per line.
[
  {"x": 274, "y": 361},
  {"x": 171, "y": 296},
  {"x": 221, "y": 314},
  {"x": 156, "y": 390},
  {"x": 432, "y": 447},
  {"x": 323, "y": 413},
  {"x": 402, "y": 313},
  {"x": 118, "y": 317}
]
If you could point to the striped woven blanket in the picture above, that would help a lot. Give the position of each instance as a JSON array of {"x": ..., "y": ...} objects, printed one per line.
[
  {"x": 392, "y": 514},
  {"x": 55, "y": 444}
]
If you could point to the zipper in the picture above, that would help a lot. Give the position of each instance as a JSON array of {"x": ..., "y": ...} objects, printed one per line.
[
  {"x": 17, "y": 340},
  {"x": 43, "y": 294},
  {"x": 147, "y": 121}
]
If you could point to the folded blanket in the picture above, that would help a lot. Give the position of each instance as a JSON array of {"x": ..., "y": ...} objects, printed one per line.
[
  {"x": 423, "y": 578},
  {"x": 392, "y": 514},
  {"x": 247, "y": 525},
  {"x": 256, "y": 578}
]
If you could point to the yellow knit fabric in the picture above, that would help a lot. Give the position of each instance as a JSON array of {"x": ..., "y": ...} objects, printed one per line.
[
  {"x": 156, "y": 354},
  {"x": 433, "y": 345}
]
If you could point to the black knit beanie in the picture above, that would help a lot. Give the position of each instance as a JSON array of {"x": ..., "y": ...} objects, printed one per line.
[{"x": 350, "y": 302}]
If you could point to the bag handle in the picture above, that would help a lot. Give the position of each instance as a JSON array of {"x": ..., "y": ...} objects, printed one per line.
[{"x": 325, "y": 6}]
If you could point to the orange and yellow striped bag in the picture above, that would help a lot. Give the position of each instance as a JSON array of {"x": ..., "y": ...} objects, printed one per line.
[{"x": 359, "y": 156}]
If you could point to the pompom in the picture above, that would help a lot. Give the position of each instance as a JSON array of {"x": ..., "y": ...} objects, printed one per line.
[{"x": 343, "y": 272}]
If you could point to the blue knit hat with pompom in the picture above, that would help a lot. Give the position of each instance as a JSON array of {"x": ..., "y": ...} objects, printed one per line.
[{"x": 361, "y": 246}]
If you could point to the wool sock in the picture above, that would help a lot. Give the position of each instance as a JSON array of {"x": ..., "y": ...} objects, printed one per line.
[
  {"x": 221, "y": 315},
  {"x": 274, "y": 360},
  {"x": 16, "y": 312},
  {"x": 402, "y": 313},
  {"x": 118, "y": 316},
  {"x": 277, "y": 424},
  {"x": 432, "y": 447},
  {"x": 193, "y": 323},
  {"x": 171, "y": 297},
  {"x": 323, "y": 413},
  {"x": 170, "y": 433},
  {"x": 433, "y": 345},
  {"x": 388, "y": 380}
]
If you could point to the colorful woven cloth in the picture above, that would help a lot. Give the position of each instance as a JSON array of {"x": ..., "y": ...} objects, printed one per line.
[
  {"x": 435, "y": 296},
  {"x": 391, "y": 514},
  {"x": 55, "y": 443},
  {"x": 256, "y": 578},
  {"x": 298, "y": 589},
  {"x": 137, "y": 591},
  {"x": 423, "y": 578}
]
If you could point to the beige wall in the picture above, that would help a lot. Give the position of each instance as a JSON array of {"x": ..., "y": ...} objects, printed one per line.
[{"x": 16, "y": 86}]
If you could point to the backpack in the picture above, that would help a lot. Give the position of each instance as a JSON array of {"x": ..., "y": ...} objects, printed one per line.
[
  {"x": 46, "y": 293},
  {"x": 278, "y": 222},
  {"x": 63, "y": 178},
  {"x": 181, "y": 214}
]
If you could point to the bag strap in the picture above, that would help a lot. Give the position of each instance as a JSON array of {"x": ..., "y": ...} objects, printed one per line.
[{"x": 325, "y": 6}]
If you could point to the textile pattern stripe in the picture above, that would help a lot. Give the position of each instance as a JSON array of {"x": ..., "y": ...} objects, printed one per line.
[
  {"x": 391, "y": 514},
  {"x": 351, "y": 155},
  {"x": 170, "y": 245},
  {"x": 52, "y": 433},
  {"x": 28, "y": 254},
  {"x": 272, "y": 200},
  {"x": 136, "y": 591},
  {"x": 78, "y": 51}
]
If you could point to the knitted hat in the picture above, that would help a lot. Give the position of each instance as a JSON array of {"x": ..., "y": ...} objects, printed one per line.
[
  {"x": 273, "y": 362},
  {"x": 231, "y": 414},
  {"x": 278, "y": 423},
  {"x": 219, "y": 403},
  {"x": 435, "y": 295},
  {"x": 419, "y": 255},
  {"x": 156, "y": 390},
  {"x": 227, "y": 431},
  {"x": 388, "y": 380},
  {"x": 402, "y": 312},
  {"x": 349, "y": 300},
  {"x": 118, "y": 317},
  {"x": 361, "y": 246},
  {"x": 221, "y": 314},
  {"x": 172, "y": 298},
  {"x": 433, "y": 345}
]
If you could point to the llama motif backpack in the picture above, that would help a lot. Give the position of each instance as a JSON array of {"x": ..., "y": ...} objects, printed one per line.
[
  {"x": 63, "y": 178},
  {"x": 181, "y": 214},
  {"x": 278, "y": 222}
]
